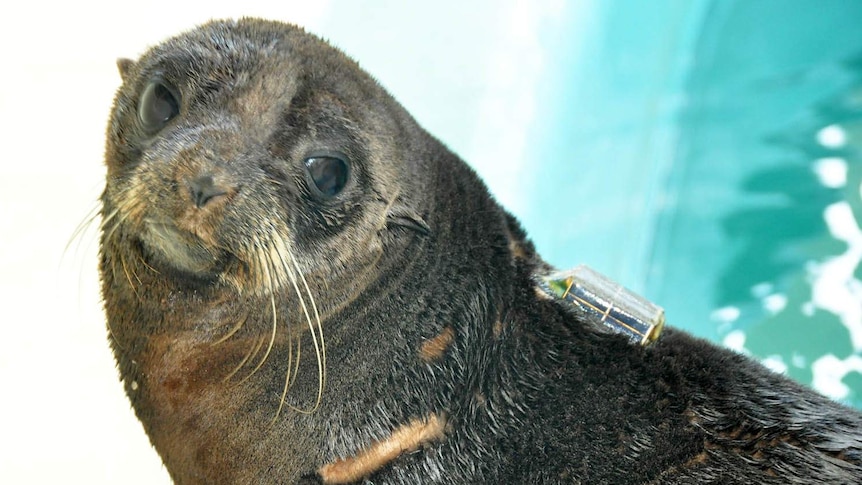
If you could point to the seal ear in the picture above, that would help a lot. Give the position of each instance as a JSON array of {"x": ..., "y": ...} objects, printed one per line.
[
  {"x": 403, "y": 216},
  {"x": 125, "y": 67}
]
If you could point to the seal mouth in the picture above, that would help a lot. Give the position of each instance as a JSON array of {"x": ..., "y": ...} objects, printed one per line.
[{"x": 179, "y": 248}]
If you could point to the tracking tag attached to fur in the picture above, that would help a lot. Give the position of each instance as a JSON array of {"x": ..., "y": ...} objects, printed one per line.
[{"x": 607, "y": 303}]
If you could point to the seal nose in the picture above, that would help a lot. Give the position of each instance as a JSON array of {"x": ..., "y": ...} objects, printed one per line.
[{"x": 203, "y": 189}]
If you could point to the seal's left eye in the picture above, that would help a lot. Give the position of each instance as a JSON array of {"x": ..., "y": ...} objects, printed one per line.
[
  {"x": 328, "y": 173},
  {"x": 157, "y": 106}
]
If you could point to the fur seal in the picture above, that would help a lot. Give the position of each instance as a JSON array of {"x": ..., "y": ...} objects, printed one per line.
[{"x": 302, "y": 285}]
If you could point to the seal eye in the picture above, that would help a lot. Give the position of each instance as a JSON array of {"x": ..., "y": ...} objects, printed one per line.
[
  {"x": 157, "y": 106},
  {"x": 328, "y": 173}
]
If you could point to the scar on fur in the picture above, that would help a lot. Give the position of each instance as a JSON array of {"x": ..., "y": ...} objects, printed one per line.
[
  {"x": 405, "y": 439},
  {"x": 516, "y": 249},
  {"x": 498, "y": 328},
  {"x": 433, "y": 348}
]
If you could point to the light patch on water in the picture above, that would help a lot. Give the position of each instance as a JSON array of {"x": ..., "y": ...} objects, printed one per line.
[
  {"x": 835, "y": 288},
  {"x": 774, "y": 303},
  {"x": 728, "y": 314},
  {"x": 771, "y": 302},
  {"x": 831, "y": 171},
  {"x": 832, "y": 136},
  {"x": 761, "y": 290},
  {"x": 735, "y": 340},
  {"x": 775, "y": 363},
  {"x": 808, "y": 309},
  {"x": 828, "y": 372},
  {"x": 799, "y": 360}
]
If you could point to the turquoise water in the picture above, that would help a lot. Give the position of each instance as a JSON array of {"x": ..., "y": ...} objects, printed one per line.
[{"x": 707, "y": 154}]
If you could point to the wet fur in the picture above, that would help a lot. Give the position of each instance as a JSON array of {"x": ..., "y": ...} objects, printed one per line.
[{"x": 423, "y": 286}]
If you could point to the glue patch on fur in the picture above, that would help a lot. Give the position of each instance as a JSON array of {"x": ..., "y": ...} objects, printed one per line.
[{"x": 404, "y": 439}]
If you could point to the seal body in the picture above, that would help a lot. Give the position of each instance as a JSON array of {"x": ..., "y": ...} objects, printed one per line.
[{"x": 302, "y": 285}]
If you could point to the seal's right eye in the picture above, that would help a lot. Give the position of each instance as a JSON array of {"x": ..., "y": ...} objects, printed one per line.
[{"x": 157, "y": 106}]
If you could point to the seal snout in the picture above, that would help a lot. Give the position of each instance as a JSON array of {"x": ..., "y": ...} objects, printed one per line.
[
  {"x": 203, "y": 190},
  {"x": 185, "y": 226},
  {"x": 200, "y": 211}
]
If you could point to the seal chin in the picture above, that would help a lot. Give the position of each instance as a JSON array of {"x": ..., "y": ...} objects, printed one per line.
[{"x": 179, "y": 249}]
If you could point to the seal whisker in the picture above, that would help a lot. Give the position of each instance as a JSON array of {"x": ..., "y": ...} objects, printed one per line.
[
  {"x": 232, "y": 331},
  {"x": 288, "y": 380},
  {"x": 113, "y": 336},
  {"x": 298, "y": 340},
  {"x": 269, "y": 346},
  {"x": 292, "y": 363},
  {"x": 262, "y": 263},
  {"x": 147, "y": 265},
  {"x": 289, "y": 377},
  {"x": 275, "y": 182},
  {"x": 108, "y": 218},
  {"x": 112, "y": 219},
  {"x": 83, "y": 226},
  {"x": 321, "y": 349},
  {"x": 384, "y": 215},
  {"x": 129, "y": 277},
  {"x": 252, "y": 351},
  {"x": 119, "y": 217},
  {"x": 296, "y": 363},
  {"x": 280, "y": 249}
]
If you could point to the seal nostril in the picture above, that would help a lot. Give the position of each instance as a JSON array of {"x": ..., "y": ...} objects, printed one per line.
[{"x": 203, "y": 190}]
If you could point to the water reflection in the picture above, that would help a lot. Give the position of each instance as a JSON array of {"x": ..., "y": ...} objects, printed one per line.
[
  {"x": 763, "y": 232},
  {"x": 786, "y": 247}
]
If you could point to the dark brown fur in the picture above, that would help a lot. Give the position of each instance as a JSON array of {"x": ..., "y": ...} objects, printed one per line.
[{"x": 425, "y": 295}]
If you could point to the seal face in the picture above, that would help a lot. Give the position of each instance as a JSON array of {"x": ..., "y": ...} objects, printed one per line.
[
  {"x": 229, "y": 155},
  {"x": 301, "y": 284}
]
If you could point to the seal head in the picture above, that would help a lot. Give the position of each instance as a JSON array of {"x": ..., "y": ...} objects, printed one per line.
[{"x": 238, "y": 146}]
